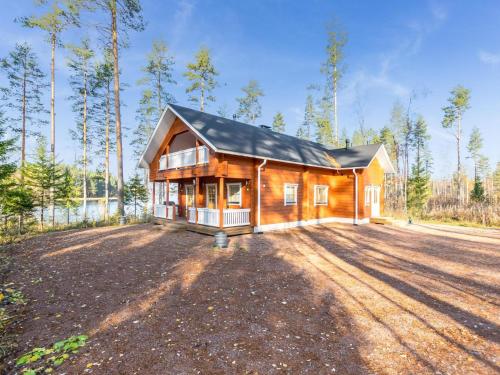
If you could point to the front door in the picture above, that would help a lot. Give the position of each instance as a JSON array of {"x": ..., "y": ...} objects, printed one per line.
[
  {"x": 211, "y": 195},
  {"x": 375, "y": 201},
  {"x": 189, "y": 196}
]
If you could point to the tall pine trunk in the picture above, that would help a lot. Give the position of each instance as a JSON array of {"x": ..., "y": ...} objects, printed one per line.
[
  {"x": 119, "y": 151},
  {"x": 85, "y": 146},
  {"x": 53, "y": 118},
  {"x": 459, "y": 163},
  {"x": 202, "y": 97},
  {"x": 335, "y": 113},
  {"x": 106, "y": 158}
]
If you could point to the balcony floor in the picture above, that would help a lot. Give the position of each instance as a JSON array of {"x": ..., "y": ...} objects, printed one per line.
[{"x": 182, "y": 224}]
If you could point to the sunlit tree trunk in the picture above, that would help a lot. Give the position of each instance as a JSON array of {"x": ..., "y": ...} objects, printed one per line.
[{"x": 53, "y": 118}]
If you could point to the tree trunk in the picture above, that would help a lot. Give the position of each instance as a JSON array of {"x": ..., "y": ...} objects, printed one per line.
[
  {"x": 106, "y": 161},
  {"x": 158, "y": 89},
  {"x": 67, "y": 216},
  {"x": 202, "y": 97},
  {"x": 459, "y": 163},
  {"x": 53, "y": 117},
  {"x": 335, "y": 114},
  {"x": 119, "y": 151},
  {"x": 84, "y": 146}
]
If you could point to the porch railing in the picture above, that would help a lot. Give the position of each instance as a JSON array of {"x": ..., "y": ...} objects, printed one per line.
[
  {"x": 208, "y": 216},
  {"x": 186, "y": 158},
  {"x": 191, "y": 215},
  {"x": 170, "y": 212},
  {"x": 236, "y": 217},
  {"x": 160, "y": 211}
]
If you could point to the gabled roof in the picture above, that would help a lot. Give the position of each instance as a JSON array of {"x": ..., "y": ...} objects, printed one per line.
[{"x": 237, "y": 138}]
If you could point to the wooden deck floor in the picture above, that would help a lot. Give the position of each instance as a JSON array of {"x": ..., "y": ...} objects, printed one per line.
[{"x": 183, "y": 225}]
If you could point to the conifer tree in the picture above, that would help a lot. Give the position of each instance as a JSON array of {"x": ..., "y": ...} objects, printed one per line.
[
  {"x": 26, "y": 82},
  {"x": 158, "y": 75},
  {"x": 202, "y": 75},
  {"x": 279, "y": 123},
  {"x": 305, "y": 129},
  {"x": 68, "y": 192},
  {"x": 324, "y": 133},
  {"x": 136, "y": 193},
  {"x": 453, "y": 115},
  {"x": 82, "y": 81},
  {"x": 249, "y": 108}
]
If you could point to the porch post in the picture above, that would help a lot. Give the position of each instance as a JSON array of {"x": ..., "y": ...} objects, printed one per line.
[
  {"x": 221, "y": 202},
  {"x": 154, "y": 196},
  {"x": 196, "y": 198}
]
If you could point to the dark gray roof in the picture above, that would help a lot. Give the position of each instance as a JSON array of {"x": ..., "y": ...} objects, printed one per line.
[{"x": 237, "y": 137}]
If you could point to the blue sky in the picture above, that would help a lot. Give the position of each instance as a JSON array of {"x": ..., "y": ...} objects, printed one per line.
[{"x": 395, "y": 48}]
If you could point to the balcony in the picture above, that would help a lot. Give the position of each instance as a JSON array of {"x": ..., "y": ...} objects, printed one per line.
[
  {"x": 185, "y": 158},
  {"x": 208, "y": 216}
]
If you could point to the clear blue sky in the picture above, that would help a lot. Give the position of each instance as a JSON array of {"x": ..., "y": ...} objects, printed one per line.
[{"x": 394, "y": 47}]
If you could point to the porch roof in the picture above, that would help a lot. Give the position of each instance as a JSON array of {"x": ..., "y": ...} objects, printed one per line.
[{"x": 237, "y": 138}]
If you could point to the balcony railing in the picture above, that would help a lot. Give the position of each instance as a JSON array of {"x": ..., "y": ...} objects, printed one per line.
[
  {"x": 184, "y": 158},
  {"x": 208, "y": 216},
  {"x": 160, "y": 211},
  {"x": 236, "y": 217}
]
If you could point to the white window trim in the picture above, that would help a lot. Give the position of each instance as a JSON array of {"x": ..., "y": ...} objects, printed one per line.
[
  {"x": 368, "y": 192},
  {"x": 296, "y": 186},
  {"x": 316, "y": 203},
  {"x": 206, "y": 195},
  {"x": 239, "y": 186}
]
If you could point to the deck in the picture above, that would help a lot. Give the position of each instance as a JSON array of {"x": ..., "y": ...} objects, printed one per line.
[{"x": 182, "y": 224}]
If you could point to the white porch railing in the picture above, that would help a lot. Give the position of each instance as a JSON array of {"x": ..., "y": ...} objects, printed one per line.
[
  {"x": 191, "y": 214},
  {"x": 208, "y": 216},
  {"x": 187, "y": 158},
  {"x": 170, "y": 212},
  {"x": 160, "y": 211},
  {"x": 236, "y": 217},
  {"x": 163, "y": 163}
]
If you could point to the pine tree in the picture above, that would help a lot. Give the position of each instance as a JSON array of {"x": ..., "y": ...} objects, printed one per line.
[
  {"x": 453, "y": 115},
  {"x": 333, "y": 69},
  {"x": 279, "y": 123},
  {"x": 158, "y": 71},
  {"x": 324, "y": 133},
  {"x": 202, "y": 75},
  {"x": 249, "y": 108},
  {"x": 474, "y": 147},
  {"x": 145, "y": 123},
  {"x": 496, "y": 181},
  {"x": 68, "y": 192},
  {"x": 104, "y": 116},
  {"x": 136, "y": 193},
  {"x": 43, "y": 178},
  {"x": 388, "y": 139},
  {"x": 305, "y": 129},
  {"x": 123, "y": 15},
  {"x": 26, "y": 83},
  {"x": 82, "y": 80}
]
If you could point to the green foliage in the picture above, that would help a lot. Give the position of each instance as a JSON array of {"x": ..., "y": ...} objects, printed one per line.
[
  {"x": 324, "y": 131},
  {"x": 477, "y": 193},
  {"x": 46, "y": 359},
  {"x": 68, "y": 192},
  {"x": 305, "y": 129},
  {"x": 145, "y": 123},
  {"x": 136, "y": 193},
  {"x": 474, "y": 147},
  {"x": 202, "y": 75},
  {"x": 279, "y": 123},
  {"x": 496, "y": 180},
  {"x": 249, "y": 107},
  {"x": 458, "y": 104}
]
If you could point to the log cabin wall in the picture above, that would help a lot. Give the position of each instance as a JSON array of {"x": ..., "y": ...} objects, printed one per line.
[{"x": 373, "y": 175}]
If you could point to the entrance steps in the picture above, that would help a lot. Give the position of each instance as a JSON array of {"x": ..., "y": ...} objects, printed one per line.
[{"x": 382, "y": 220}]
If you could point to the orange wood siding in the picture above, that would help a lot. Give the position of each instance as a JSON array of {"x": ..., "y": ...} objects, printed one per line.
[{"x": 373, "y": 175}]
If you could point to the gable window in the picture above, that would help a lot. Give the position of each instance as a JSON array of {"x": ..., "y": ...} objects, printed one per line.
[
  {"x": 234, "y": 193},
  {"x": 367, "y": 195},
  {"x": 320, "y": 195},
  {"x": 291, "y": 194}
]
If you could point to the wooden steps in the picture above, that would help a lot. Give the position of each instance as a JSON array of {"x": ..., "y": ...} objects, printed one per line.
[{"x": 381, "y": 220}]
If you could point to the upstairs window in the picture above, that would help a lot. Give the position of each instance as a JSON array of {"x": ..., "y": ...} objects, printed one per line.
[
  {"x": 291, "y": 194},
  {"x": 320, "y": 195}
]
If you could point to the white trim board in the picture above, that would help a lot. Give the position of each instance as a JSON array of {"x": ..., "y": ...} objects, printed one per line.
[{"x": 303, "y": 223}]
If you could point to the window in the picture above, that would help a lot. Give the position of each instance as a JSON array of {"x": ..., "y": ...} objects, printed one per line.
[
  {"x": 291, "y": 194},
  {"x": 367, "y": 195},
  {"x": 320, "y": 195},
  {"x": 211, "y": 195},
  {"x": 234, "y": 193}
]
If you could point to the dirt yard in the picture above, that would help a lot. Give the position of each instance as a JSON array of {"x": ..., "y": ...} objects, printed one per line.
[{"x": 319, "y": 300}]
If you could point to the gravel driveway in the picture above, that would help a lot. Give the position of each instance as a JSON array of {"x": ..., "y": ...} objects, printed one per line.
[{"x": 319, "y": 300}]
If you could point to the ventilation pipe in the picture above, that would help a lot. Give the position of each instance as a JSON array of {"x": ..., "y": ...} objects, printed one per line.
[
  {"x": 355, "y": 196},
  {"x": 258, "y": 192}
]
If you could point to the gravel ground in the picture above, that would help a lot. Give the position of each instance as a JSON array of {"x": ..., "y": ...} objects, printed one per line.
[{"x": 318, "y": 300}]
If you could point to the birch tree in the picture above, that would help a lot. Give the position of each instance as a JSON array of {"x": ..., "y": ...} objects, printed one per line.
[
  {"x": 158, "y": 76},
  {"x": 202, "y": 75},
  {"x": 249, "y": 108},
  {"x": 81, "y": 82},
  {"x": 452, "y": 119},
  {"x": 26, "y": 82}
]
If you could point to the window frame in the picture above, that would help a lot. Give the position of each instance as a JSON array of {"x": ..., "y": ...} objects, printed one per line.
[
  {"x": 316, "y": 203},
  {"x": 240, "y": 193},
  {"x": 206, "y": 195},
  {"x": 296, "y": 189},
  {"x": 368, "y": 192}
]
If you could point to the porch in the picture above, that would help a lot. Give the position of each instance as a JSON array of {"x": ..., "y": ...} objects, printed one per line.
[{"x": 205, "y": 204}]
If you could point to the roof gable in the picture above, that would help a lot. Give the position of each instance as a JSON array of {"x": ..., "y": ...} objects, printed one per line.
[{"x": 234, "y": 137}]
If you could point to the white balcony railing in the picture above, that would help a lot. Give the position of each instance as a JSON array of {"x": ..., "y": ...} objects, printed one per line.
[
  {"x": 160, "y": 211},
  {"x": 191, "y": 214},
  {"x": 187, "y": 158},
  {"x": 208, "y": 216},
  {"x": 163, "y": 163},
  {"x": 236, "y": 217}
]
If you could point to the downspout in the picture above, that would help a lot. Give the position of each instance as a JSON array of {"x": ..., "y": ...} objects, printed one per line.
[
  {"x": 258, "y": 193},
  {"x": 355, "y": 196}
]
